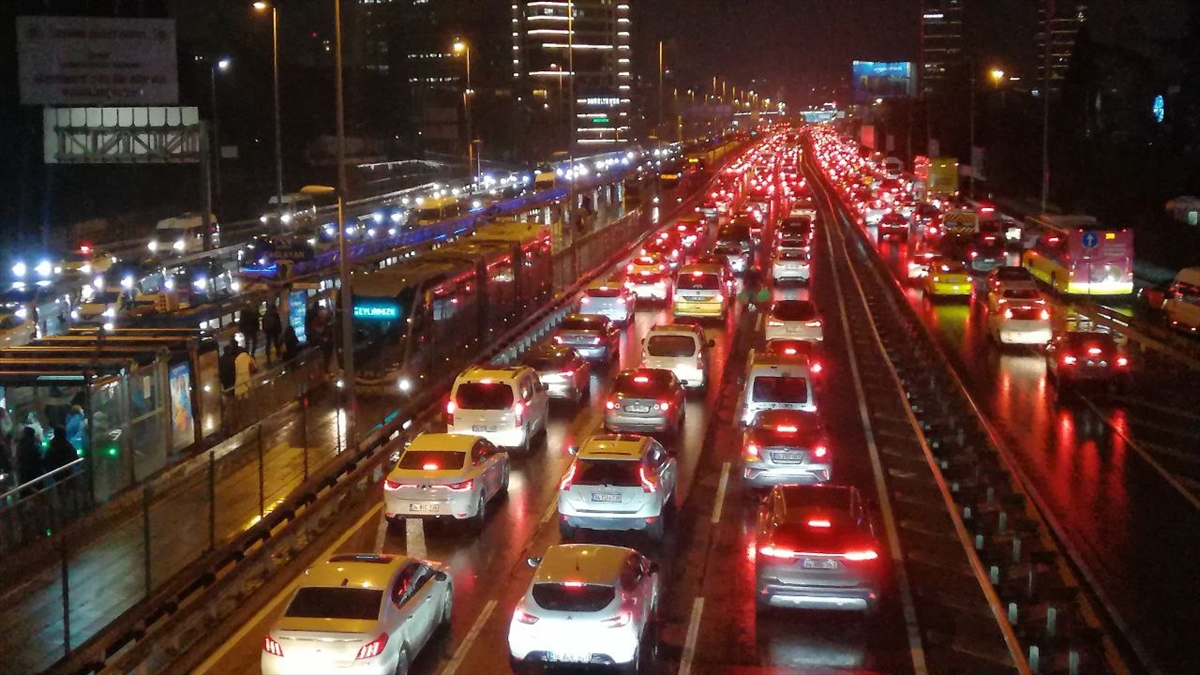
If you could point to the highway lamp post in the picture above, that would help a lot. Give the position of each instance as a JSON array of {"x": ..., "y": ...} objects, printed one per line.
[
  {"x": 464, "y": 48},
  {"x": 221, "y": 64},
  {"x": 262, "y": 7},
  {"x": 658, "y": 128}
]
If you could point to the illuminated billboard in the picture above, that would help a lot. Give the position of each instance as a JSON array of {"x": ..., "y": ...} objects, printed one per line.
[{"x": 883, "y": 79}]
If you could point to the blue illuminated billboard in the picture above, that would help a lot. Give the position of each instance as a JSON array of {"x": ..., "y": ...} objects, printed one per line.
[{"x": 883, "y": 79}]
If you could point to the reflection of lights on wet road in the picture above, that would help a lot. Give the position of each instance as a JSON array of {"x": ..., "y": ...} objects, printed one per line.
[{"x": 267, "y": 510}]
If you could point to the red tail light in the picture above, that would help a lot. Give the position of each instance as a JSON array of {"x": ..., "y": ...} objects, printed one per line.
[
  {"x": 525, "y": 617},
  {"x": 1068, "y": 360},
  {"x": 1122, "y": 362},
  {"x": 585, "y": 300},
  {"x": 820, "y": 523},
  {"x": 751, "y": 451},
  {"x": 629, "y": 267},
  {"x": 648, "y": 485},
  {"x": 464, "y": 486},
  {"x": 618, "y": 621},
  {"x": 865, "y": 554},
  {"x": 611, "y": 404},
  {"x": 820, "y": 451},
  {"x": 663, "y": 405},
  {"x": 595, "y": 340},
  {"x": 620, "y": 301},
  {"x": 1094, "y": 351},
  {"x": 815, "y": 367},
  {"x": 373, "y": 648},
  {"x": 390, "y": 485},
  {"x": 813, "y": 324},
  {"x": 272, "y": 646},
  {"x": 519, "y": 409},
  {"x": 558, "y": 339},
  {"x": 776, "y": 552},
  {"x": 450, "y": 408},
  {"x": 565, "y": 483},
  {"x": 1045, "y": 315},
  {"x": 1008, "y": 314}
]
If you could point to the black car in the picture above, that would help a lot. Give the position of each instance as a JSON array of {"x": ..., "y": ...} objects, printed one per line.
[
  {"x": 1077, "y": 357},
  {"x": 565, "y": 373},
  {"x": 591, "y": 335}
]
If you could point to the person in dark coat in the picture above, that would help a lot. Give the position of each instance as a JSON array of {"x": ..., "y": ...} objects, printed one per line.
[
  {"x": 248, "y": 323},
  {"x": 272, "y": 327},
  {"x": 29, "y": 456},
  {"x": 290, "y": 345},
  {"x": 60, "y": 453},
  {"x": 227, "y": 367}
]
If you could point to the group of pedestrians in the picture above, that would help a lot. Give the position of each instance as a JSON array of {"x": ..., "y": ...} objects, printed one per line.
[{"x": 23, "y": 447}]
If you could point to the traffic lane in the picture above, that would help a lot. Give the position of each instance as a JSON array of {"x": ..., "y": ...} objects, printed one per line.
[{"x": 1109, "y": 501}]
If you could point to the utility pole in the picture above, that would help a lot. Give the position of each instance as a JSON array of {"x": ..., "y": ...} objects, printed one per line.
[
  {"x": 658, "y": 128},
  {"x": 971, "y": 149},
  {"x": 1046, "y": 105}
]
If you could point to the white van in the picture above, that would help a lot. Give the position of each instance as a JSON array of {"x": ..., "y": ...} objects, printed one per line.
[
  {"x": 681, "y": 349},
  {"x": 1181, "y": 303},
  {"x": 296, "y": 212},
  {"x": 775, "y": 383},
  {"x": 183, "y": 234},
  {"x": 507, "y": 406}
]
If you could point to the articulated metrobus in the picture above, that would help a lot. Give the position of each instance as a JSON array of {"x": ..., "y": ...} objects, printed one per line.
[{"x": 1075, "y": 255}]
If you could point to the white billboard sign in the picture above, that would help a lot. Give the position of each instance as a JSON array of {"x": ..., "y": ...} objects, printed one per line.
[{"x": 76, "y": 60}]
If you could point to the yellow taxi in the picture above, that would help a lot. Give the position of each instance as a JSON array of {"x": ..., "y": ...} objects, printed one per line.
[{"x": 948, "y": 278}]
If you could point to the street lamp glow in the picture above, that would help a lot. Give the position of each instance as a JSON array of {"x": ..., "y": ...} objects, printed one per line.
[
  {"x": 997, "y": 75},
  {"x": 223, "y": 63},
  {"x": 261, "y": 6},
  {"x": 459, "y": 46}
]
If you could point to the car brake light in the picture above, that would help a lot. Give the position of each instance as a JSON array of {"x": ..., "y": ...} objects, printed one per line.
[
  {"x": 786, "y": 429},
  {"x": 519, "y": 409},
  {"x": 464, "y": 486},
  {"x": 620, "y": 301},
  {"x": 272, "y": 646},
  {"x": 751, "y": 451},
  {"x": 429, "y": 466},
  {"x": 1008, "y": 314},
  {"x": 373, "y": 648},
  {"x": 450, "y": 408},
  {"x": 1122, "y": 361},
  {"x": 611, "y": 404},
  {"x": 565, "y": 483},
  {"x": 585, "y": 300},
  {"x": 619, "y": 620},
  {"x": 647, "y": 484},
  {"x": 558, "y": 339},
  {"x": 866, "y": 554},
  {"x": 390, "y": 485},
  {"x": 813, "y": 324},
  {"x": 1094, "y": 351},
  {"x": 1045, "y": 315},
  {"x": 820, "y": 451},
  {"x": 820, "y": 523},
  {"x": 641, "y": 379},
  {"x": 790, "y": 351},
  {"x": 595, "y": 340},
  {"x": 629, "y": 267},
  {"x": 663, "y": 405},
  {"x": 815, "y": 367},
  {"x": 1068, "y": 360},
  {"x": 776, "y": 552},
  {"x": 774, "y": 324},
  {"x": 525, "y": 617}
]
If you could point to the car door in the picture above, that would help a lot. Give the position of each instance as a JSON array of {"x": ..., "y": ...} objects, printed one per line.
[
  {"x": 486, "y": 467},
  {"x": 408, "y": 606},
  {"x": 422, "y": 598},
  {"x": 633, "y": 578},
  {"x": 663, "y": 465}
]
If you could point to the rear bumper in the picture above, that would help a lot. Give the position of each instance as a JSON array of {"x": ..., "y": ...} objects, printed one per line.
[
  {"x": 508, "y": 438},
  {"x": 610, "y": 523},
  {"x": 1024, "y": 335},
  {"x": 855, "y": 599},
  {"x": 766, "y": 475},
  {"x": 699, "y": 309},
  {"x": 616, "y": 421}
]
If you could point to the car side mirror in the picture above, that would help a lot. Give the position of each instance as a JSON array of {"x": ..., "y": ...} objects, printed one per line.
[
  {"x": 533, "y": 562},
  {"x": 572, "y": 450},
  {"x": 711, "y": 343},
  {"x": 441, "y": 576}
]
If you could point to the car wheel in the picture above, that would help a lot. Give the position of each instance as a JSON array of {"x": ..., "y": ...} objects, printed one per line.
[
  {"x": 503, "y": 490},
  {"x": 403, "y": 663},
  {"x": 565, "y": 531},
  {"x": 480, "y": 518},
  {"x": 526, "y": 443},
  {"x": 447, "y": 611}
]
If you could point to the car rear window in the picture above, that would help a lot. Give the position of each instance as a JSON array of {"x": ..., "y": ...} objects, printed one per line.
[
  {"x": 793, "y": 255},
  {"x": 794, "y": 310},
  {"x": 729, "y": 250},
  {"x": 484, "y": 396},
  {"x": 542, "y": 363},
  {"x": 698, "y": 282},
  {"x": 421, "y": 460},
  {"x": 579, "y": 324},
  {"x": 607, "y": 472},
  {"x": 671, "y": 345},
  {"x": 573, "y": 597},
  {"x": 605, "y": 292},
  {"x": 647, "y": 381},
  {"x": 1088, "y": 340},
  {"x": 1022, "y": 294},
  {"x": 733, "y": 233},
  {"x": 336, "y": 603},
  {"x": 779, "y": 389},
  {"x": 1013, "y": 274}
]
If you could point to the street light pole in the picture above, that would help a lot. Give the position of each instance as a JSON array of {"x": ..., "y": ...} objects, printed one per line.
[
  {"x": 221, "y": 64},
  {"x": 347, "y": 295},
  {"x": 261, "y": 6},
  {"x": 658, "y": 128},
  {"x": 971, "y": 148},
  {"x": 461, "y": 46}
]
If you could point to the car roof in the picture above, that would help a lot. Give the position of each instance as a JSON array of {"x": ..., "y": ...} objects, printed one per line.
[
  {"x": 491, "y": 373},
  {"x": 586, "y": 563},
  {"x": 805, "y": 497},
  {"x": 777, "y": 362},
  {"x": 613, "y": 446},
  {"x": 442, "y": 442},
  {"x": 549, "y": 350},
  {"x": 361, "y": 570},
  {"x": 604, "y": 284},
  {"x": 676, "y": 329},
  {"x": 710, "y": 268},
  {"x": 597, "y": 319}
]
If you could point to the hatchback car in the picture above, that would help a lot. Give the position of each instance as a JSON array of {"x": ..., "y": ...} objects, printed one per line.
[
  {"x": 817, "y": 549},
  {"x": 588, "y": 605},
  {"x": 619, "y": 483},
  {"x": 507, "y": 406},
  {"x": 591, "y": 335},
  {"x": 735, "y": 257},
  {"x": 565, "y": 373},
  {"x": 1009, "y": 276},
  {"x": 360, "y": 613},
  {"x": 609, "y": 299},
  {"x": 648, "y": 277},
  {"x": 786, "y": 447},
  {"x": 793, "y": 319},
  {"x": 1077, "y": 357},
  {"x": 790, "y": 265},
  {"x": 451, "y": 476},
  {"x": 645, "y": 400},
  {"x": 948, "y": 278},
  {"x": 701, "y": 291},
  {"x": 1018, "y": 316},
  {"x": 892, "y": 225},
  {"x": 681, "y": 349}
]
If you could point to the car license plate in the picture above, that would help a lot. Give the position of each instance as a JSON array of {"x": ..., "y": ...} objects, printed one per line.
[
  {"x": 787, "y": 456},
  {"x": 420, "y": 508},
  {"x": 819, "y": 564},
  {"x": 608, "y": 497},
  {"x": 562, "y": 657},
  {"x": 637, "y": 408},
  {"x": 478, "y": 428}
]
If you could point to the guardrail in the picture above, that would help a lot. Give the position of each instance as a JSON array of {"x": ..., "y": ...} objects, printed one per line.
[{"x": 185, "y": 607}]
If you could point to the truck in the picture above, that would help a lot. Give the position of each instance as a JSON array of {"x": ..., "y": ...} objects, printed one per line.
[{"x": 942, "y": 180}]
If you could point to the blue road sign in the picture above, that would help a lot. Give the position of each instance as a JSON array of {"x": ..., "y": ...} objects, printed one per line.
[{"x": 1091, "y": 239}]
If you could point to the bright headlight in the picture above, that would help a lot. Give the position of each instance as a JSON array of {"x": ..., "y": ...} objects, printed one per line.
[
  {"x": 19, "y": 269},
  {"x": 200, "y": 283},
  {"x": 178, "y": 246},
  {"x": 86, "y": 268},
  {"x": 22, "y": 313},
  {"x": 110, "y": 313},
  {"x": 153, "y": 246},
  {"x": 44, "y": 268},
  {"x": 286, "y": 218}
]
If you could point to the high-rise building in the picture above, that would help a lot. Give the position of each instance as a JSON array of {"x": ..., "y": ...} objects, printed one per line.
[
  {"x": 576, "y": 49},
  {"x": 942, "y": 53},
  {"x": 1063, "y": 19}
]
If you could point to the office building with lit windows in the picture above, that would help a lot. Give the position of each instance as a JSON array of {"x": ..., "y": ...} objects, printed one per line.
[
  {"x": 579, "y": 46},
  {"x": 942, "y": 55},
  {"x": 1063, "y": 19}
]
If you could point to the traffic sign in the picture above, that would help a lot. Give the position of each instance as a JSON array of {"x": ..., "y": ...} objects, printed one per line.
[{"x": 1091, "y": 239}]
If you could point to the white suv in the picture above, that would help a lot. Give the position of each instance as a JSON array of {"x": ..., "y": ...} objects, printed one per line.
[
  {"x": 587, "y": 605},
  {"x": 506, "y": 405},
  {"x": 617, "y": 482},
  {"x": 681, "y": 349}
]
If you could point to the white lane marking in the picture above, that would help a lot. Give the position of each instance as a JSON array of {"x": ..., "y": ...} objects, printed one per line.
[
  {"x": 465, "y": 647},
  {"x": 414, "y": 538},
  {"x": 912, "y": 626},
  {"x": 693, "y": 633},
  {"x": 1166, "y": 475},
  {"x": 716, "y": 514},
  {"x": 271, "y": 606},
  {"x": 551, "y": 510}
]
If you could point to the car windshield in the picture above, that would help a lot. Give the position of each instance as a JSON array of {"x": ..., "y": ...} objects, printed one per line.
[
  {"x": 698, "y": 282},
  {"x": 336, "y": 603},
  {"x": 573, "y": 597},
  {"x": 484, "y": 396},
  {"x": 794, "y": 310},
  {"x": 432, "y": 460},
  {"x": 779, "y": 389},
  {"x": 671, "y": 346}
]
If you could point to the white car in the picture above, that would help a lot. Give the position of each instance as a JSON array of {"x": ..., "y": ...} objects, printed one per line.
[
  {"x": 506, "y": 405},
  {"x": 15, "y": 331},
  {"x": 790, "y": 264},
  {"x": 359, "y": 614},
  {"x": 587, "y": 605},
  {"x": 873, "y": 211},
  {"x": 776, "y": 383},
  {"x": 610, "y": 299},
  {"x": 450, "y": 476},
  {"x": 793, "y": 319},
  {"x": 648, "y": 277},
  {"x": 620, "y": 482},
  {"x": 681, "y": 349},
  {"x": 1018, "y": 316}
]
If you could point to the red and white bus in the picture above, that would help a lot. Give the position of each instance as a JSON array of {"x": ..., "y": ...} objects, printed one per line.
[{"x": 1075, "y": 255}]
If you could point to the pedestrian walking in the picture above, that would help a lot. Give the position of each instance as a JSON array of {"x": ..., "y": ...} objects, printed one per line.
[
  {"x": 60, "y": 453},
  {"x": 290, "y": 345},
  {"x": 227, "y": 367},
  {"x": 272, "y": 327},
  {"x": 31, "y": 422},
  {"x": 77, "y": 428},
  {"x": 245, "y": 367},
  {"x": 29, "y": 458},
  {"x": 249, "y": 324}
]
